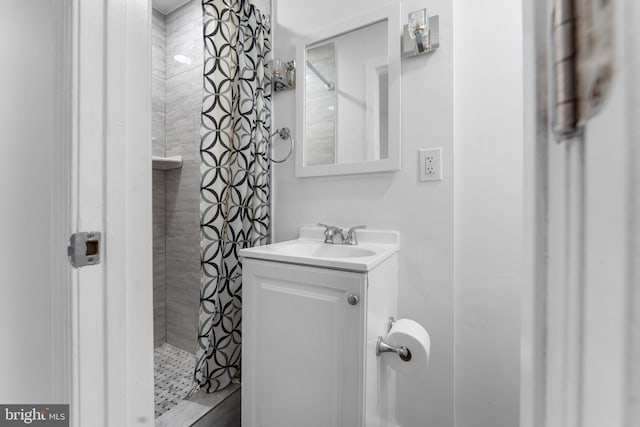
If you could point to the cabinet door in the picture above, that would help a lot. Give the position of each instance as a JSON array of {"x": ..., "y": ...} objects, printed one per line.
[{"x": 303, "y": 346}]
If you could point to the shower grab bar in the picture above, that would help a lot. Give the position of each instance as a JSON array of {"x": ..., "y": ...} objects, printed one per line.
[
  {"x": 284, "y": 133},
  {"x": 329, "y": 85}
]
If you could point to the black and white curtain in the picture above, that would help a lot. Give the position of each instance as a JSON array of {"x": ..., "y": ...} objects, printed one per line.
[{"x": 234, "y": 187}]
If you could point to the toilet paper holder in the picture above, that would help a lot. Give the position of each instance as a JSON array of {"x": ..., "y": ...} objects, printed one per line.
[{"x": 383, "y": 347}]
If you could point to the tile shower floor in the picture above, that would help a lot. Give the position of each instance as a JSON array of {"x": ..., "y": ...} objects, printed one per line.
[{"x": 173, "y": 376}]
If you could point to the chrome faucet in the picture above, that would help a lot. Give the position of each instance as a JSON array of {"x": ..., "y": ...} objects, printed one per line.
[
  {"x": 331, "y": 231},
  {"x": 351, "y": 238}
]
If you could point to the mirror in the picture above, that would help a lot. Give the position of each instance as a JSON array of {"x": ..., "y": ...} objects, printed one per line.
[{"x": 349, "y": 90}]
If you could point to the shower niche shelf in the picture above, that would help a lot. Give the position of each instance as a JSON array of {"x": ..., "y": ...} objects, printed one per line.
[{"x": 166, "y": 163}]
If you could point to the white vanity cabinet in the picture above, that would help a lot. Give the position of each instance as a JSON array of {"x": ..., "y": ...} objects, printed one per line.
[
  {"x": 302, "y": 345},
  {"x": 309, "y": 334}
]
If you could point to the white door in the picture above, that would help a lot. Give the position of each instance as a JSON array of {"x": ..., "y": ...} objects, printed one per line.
[
  {"x": 75, "y": 131},
  {"x": 112, "y": 326},
  {"x": 303, "y": 346},
  {"x": 581, "y": 305}
]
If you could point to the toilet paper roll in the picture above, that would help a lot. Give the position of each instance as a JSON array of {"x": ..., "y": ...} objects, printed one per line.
[{"x": 409, "y": 333}]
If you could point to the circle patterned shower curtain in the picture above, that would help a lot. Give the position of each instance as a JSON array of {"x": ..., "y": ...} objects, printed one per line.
[{"x": 234, "y": 188}]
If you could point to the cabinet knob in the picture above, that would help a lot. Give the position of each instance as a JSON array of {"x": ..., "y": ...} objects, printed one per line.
[{"x": 353, "y": 299}]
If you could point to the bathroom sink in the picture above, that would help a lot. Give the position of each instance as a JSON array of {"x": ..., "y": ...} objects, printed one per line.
[
  {"x": 309, "y": 249},
  {"x": 321, "y": 250}
]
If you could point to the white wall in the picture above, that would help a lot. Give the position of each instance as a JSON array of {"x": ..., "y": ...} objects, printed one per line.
[
  {"x": 488, "y": 145},
  {"x": 30, "y": 84},
  {"x": 481, "y": 124},
  {"x": 421, "y": 211}
]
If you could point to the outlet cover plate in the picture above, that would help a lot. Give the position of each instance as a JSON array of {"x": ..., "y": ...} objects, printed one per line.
[{"x": 430, "y": 164}]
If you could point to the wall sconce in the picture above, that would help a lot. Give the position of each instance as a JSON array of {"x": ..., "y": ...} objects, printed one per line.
[
  {"x": 283, "y": 74},
  {"x": 422, "y": 34}
]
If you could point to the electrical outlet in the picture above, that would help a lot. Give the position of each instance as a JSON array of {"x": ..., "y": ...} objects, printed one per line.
[{"x": 430, "y": 164}]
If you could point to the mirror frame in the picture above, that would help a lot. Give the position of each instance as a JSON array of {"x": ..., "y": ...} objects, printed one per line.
[{"x": 390, "y": 13}]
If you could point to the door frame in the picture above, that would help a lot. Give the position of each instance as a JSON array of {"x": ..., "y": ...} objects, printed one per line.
[
  {"x": 532, "y": 365},
  {"x": 633, "y": 301},
  {"x": 541, "y": 159},
  {"x": 111, "y": 333}
]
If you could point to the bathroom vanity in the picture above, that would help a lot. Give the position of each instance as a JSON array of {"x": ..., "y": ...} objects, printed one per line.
[{"x": 312, "y": 313}]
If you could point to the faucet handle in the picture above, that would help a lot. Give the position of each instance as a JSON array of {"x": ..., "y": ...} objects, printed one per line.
[
  {"x": 351, "y": 238},
  {"x": 328, "y": 229},
  {"x": 329, "y": 232}
]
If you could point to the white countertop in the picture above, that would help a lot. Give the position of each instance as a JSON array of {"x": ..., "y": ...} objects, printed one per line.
[{"x": 374, "y": 246}]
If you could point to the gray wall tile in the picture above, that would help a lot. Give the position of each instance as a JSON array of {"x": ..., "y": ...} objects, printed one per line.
[
  {"x": 182, "y": 194},
  {"x": 183, "y": 255},
  {"x": 183, "y": 98},
  {"x": 159, "y": 259},
  {"x": 184, "y": 137},
  {"x": 158, "y": 148},
  {"x": 176, "y": 103},
  {"x": 158, "y": 78},
  {"x": 184, "y": 37}
]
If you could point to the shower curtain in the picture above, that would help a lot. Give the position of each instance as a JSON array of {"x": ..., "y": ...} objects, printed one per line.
[{"x": 234, "y": 188}]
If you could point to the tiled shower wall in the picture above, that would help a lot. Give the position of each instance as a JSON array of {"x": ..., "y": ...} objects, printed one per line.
[
  {"x": 178, "y": 247},
  {"x": 178, "y": 94},
  {"x": 158, "y": 147},
  {"x": 182, "y": 126}
]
